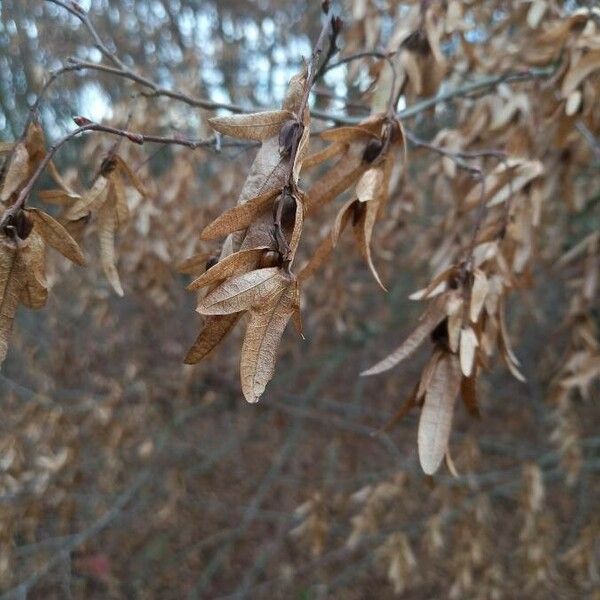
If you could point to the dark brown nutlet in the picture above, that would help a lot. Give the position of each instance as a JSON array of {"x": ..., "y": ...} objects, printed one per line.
[
  {"x": 440, "y": 334},
  {"x": 108, "y": 165},
  {"x": 372, "y": 150},
  {"x": 417, "y": 42},
  {"x": 211, "y": 262},
  {"x": 289, "y": 134},
  {"x": 288, "y": 210},
  {"x": 270, "y": 258},
  {"x": 358, "y": 210},
  {"x": 18, "y": 225}
]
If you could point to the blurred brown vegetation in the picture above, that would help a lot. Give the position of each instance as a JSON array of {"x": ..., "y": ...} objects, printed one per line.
[{"x": 127, "y": 474}]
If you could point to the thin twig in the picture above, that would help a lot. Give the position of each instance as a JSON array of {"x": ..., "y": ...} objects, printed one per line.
[
  {"x": 458, "y": 156},
  {"x": 86, "y": 125}
]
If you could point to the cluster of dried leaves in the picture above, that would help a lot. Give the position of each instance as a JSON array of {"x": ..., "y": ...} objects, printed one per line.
[{"x": 498, "y": 205}]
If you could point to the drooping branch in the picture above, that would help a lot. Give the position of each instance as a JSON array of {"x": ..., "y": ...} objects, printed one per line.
[{"x": 85, "y": 125}]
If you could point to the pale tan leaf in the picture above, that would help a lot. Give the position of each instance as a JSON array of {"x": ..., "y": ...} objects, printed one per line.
[
  {"x": 131, "y": 175},
  {"x": 337, "y": 179},
  {"x": 261, "y": 342},
  {"x": 573, "y": 103},
  {"x": 56, "y": 235},
  {"x": 58, "y": 178},
  {"x": 525, "y": 173},
  {"x": 11, "y": 282},
  {"x": 58, "y": 196},
  {"x": 341, "y": 220},
  {"x": 454, "y": 325},
  {"x": 215, "y": 328},
  {"x": 347, "y": 135},
  {"x": 435, "y": 422},
  {"x": 317, "y": 158},
  {"x": 468, "y": 344},
  {"x": 118, "y": 190},
  {"x": 32, "y": 256},
  {"x": 234, "y": 264},
  {"x": 432, "y": 317},
  {"x": 589, "y": 63},
  {"x": 493, "y": 181},
  {"x": 17, "y": 173},
  {"x": 510, "y": 358},
  {"x": 300, "y": 154},
  {"x": 369, "y": 185},
  {"x": 478, "y": 294},
  {"x": 363, "y": 232},
  {"x": 256, "y": 126},
  {"x": 450, "y": 463},
  {"x": 427, "y": 373},
  {"x": 106, "y": 236},
  {"x": 35, "y": 142},
  {"x": 536, "y": 12},
  {"x": 244, "y": 291},
  {"x": 91, "y": 201},
  {"x": 438, "y": 285},
  {"x": 240, "y": 216}
]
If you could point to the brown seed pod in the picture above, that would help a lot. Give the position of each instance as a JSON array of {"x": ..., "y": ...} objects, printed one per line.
[
  {"x": 372, "y": 150},
  {"x": 288, "y": 210},
  {"x": 439, "y": 335},
  {"x": 417, "y": 42},
  {"x": 211, "y": 262},
  {"x": 108, "y": 165},
  {"x": 289, "y": 135},
  {"x": 270, "y": 258},
  {"x": 358, "y": 210},
  {"x": 18, "y": 225}
]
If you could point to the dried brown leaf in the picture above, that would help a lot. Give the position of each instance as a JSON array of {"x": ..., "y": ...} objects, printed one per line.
[
  {"x": 31, "y": 256},
  {"x": 244, "y": 291},
  {"x": 11, "y": 282},
  {"x": 215, "y": 328},
  {"x": 91, "y": 201},
  {"x": 106, "y": 235},
  {"x": 124, "y": 168},
  {"x": 256, "y": 126},
  {"x": 17, "y": 173},
  {"x": 468, "y": 345},
  {"x": 435, "y": 422},
  {"x": 589, "y": 63},
  {"x": 240, "y": 216},
  {"x": 261, "y": 342},
  {"x": 232, "y": 265},
  {"x": 432, "y": 317},
  {"x": 56, "y": 235}
]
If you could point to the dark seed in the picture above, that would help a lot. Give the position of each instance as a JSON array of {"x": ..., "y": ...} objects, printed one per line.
[
  {"x": 288, "y": 137},
  {"x": 440, "y": 334},
  {"x": 108, "y": 165},
  {"x": 211, "y": 262},
  {"x": 372, "y": 150},
  {"x": 358, "y": 210},
  {"x": 288, "y": 211},
  {"x": 270, "y": 258}
]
